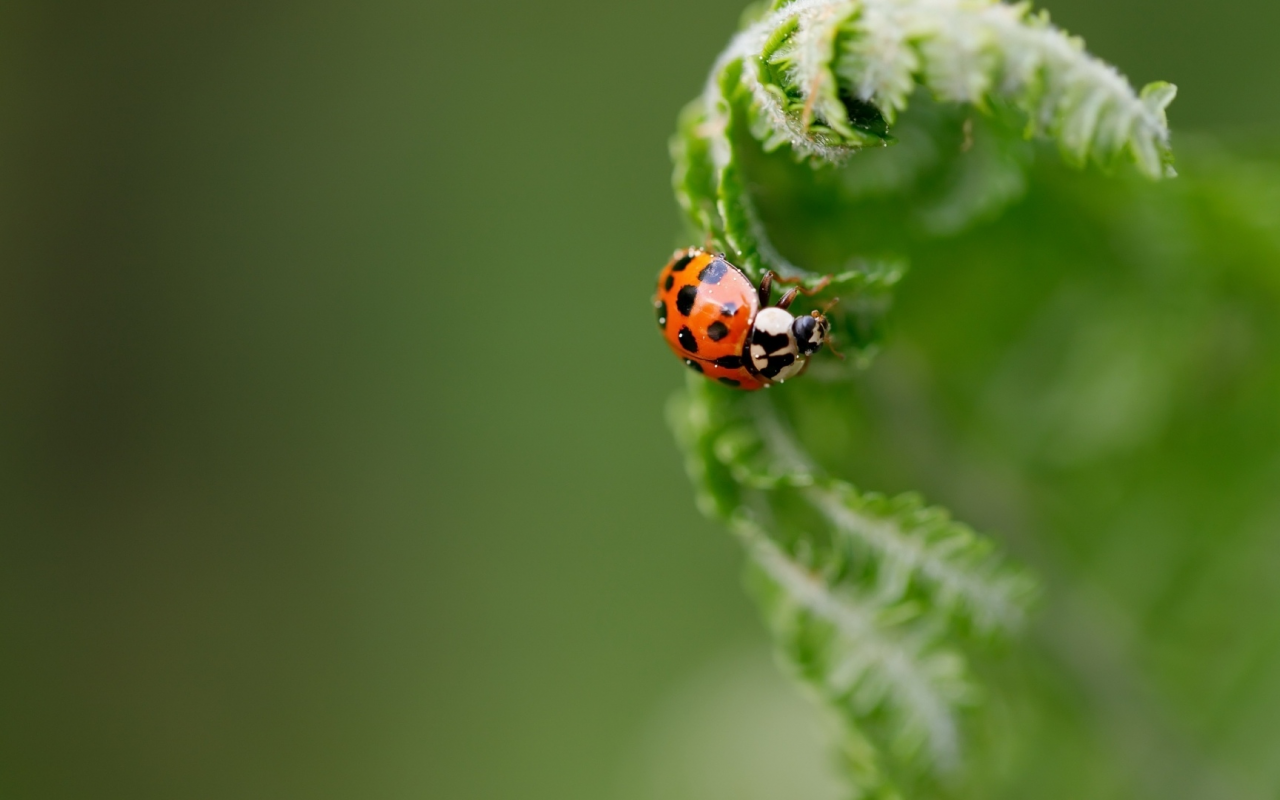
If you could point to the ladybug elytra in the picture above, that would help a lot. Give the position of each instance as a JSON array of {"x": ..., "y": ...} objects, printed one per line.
[{"x": 722, "y": 326}]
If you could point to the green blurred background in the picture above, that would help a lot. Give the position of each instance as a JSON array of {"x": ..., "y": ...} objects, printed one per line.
[{"x": 332, "y": 459}]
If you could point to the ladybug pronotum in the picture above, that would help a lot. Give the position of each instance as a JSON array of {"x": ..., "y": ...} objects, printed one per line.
[{"x": 722, "y": 326}]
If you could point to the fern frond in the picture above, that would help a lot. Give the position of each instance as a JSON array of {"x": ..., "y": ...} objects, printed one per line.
[
  {"x": 913, "y": 545},
  {"x": 866, "y": 591},
  {"x": 914, "y": 542},
  {"x": 825, "y": 77},
  {"x": 877, "y": 659},
  {"x": 876, "y": 601}
]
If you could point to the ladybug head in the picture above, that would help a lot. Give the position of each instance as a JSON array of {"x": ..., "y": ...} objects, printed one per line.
[{"x": 810, "y": 332}]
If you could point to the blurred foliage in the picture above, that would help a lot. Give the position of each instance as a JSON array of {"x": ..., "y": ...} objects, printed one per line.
[{"x": 1109, "y": 317}]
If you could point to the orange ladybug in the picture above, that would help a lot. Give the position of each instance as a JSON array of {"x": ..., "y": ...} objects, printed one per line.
[{"x": 723, "y": 327}]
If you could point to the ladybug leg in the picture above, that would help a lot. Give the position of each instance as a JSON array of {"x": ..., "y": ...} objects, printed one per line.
[
  {"x": 789, "y": 297},
  {"x": 800, "y": 287},
  {"x": 766, "y": 288}
]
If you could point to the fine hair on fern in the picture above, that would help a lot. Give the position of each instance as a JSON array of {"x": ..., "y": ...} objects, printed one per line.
[{"x": 876, "y": 602}]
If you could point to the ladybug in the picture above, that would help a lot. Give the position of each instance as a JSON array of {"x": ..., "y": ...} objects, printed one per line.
[{"x": 722, "y": 326}]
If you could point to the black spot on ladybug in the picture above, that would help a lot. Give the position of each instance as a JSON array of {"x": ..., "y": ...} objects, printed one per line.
[
  {"x": 693, "y": 365},
  {"x": 671, "y": 279},
  {"x": 771, "y": 342},
  {"x": 683, "y": 262},
  {"x": 662, "y": 314},
  {"x": 729, "y": 381},
  {"x": 685, "y": 298},
  {"x": 687, "y": 340},
  {"x": 717, "y": 331},
  {"x": 728, "y": 309},
  {"x": 729, "y": 362},
  {"x": 713, "y": 272},
  {"x": 777, "y": 364}
]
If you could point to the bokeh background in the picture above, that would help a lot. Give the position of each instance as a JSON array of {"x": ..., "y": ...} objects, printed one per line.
[{"x": 332, "y": 458}]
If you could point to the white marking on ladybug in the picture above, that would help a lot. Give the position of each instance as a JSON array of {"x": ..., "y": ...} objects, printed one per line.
[{"x": 774, "y": 352}]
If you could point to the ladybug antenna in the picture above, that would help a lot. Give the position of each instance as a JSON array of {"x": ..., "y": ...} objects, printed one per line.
[
  {"x": 831, "y": 345},
  {"x": 831, "y": 342}
]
